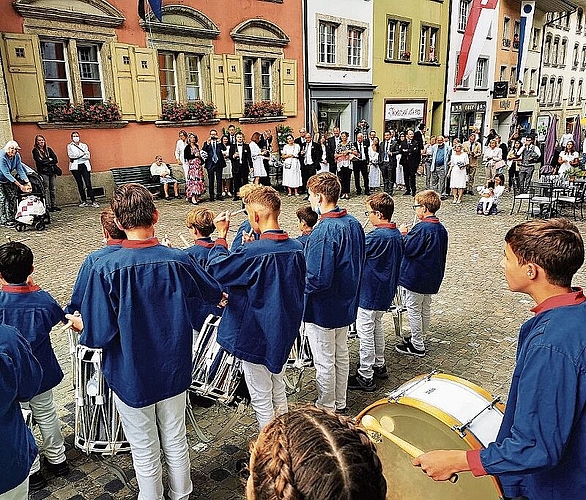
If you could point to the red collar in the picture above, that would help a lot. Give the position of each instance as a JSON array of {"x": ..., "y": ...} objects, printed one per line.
[
  {"x": 431, "y": 218},
  {"x": 388, "y": 225},
  {"x": 20, "y": 288},
  {"x": 565, "y": 299},
  {"x": 114, "y": 242},
  {"x": 334, "y": 214},
  {"x": 204, "y": 242},
  {"x": 274, "y": 234},
  {"x": 150, "y": 242}
]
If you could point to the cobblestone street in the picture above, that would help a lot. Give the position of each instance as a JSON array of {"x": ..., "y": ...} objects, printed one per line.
[{"x": 475, "y": 319}]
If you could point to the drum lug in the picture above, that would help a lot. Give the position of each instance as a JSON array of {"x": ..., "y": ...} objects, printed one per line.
[
  {"x": 395, "y": 396},
  {"x": 461, "y": 428}
]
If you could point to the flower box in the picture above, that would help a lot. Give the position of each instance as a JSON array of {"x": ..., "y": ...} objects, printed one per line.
[
  {"x": 196, "y": 110},
  {"x": 262, "y": 109},
  {"x": 85, "y": 112}
]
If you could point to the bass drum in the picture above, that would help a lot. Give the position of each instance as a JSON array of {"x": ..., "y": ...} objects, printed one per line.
[{"x": 436, "y": 412}]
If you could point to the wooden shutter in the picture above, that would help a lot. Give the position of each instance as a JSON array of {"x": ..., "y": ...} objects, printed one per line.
[
  {"x": 25, "y": 80},
  {"x": 147, "y": 90},
  {"x": 234, "y": 87},
  {"x": 123, "y": 68},
  {"x": 218, "y": 85},
  {"x": 289, "y": 86}
]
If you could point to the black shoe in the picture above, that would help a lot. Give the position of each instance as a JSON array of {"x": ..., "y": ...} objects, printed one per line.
[
  {"x": 60, "y": 469},
  {"x": 235, "y": 198},
  {"x": 358, "y": 193},
  {"x": 56, "y": 209},
  {"x": 407, "y": 348},
  {"x": 341, "y": 411},
  {"x": 212, "y": 198},
  {"x": 406, "y": 193},
  {"x": 306, "y": 198},
  {"x": 381, "y": 372},
  {"x": 36, "y": 481},
  {"x": 219, "y": 197},
  {"x": 359, "y": 383}
]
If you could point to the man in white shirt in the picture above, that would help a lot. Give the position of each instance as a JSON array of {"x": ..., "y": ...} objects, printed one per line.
[{"x": 529, "y": 154}]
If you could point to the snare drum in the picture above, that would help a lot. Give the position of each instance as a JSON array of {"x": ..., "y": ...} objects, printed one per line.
[
  {"x": 216, "y": 373},
  {"x": 98, "y": 427},
  {"x": 436, "y": 412}
]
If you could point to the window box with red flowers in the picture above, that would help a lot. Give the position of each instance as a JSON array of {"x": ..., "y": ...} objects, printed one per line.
[
  {"x": 262, "y": 111},
  {"x": 85, "y": 115},
  {"x": 192, "y": 113}
]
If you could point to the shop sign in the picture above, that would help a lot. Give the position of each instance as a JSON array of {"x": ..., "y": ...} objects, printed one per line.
[
  {"x": 403, "y": 111},
  {"x": 503, "y": 105}
]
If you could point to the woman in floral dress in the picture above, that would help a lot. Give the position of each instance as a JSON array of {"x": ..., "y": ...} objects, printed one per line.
[{"x": 194, "y": 184}]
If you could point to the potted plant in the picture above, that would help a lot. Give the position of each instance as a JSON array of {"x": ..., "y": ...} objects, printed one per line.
[
  {"x": 531, "y": 92},
  {"x": 406, "y": 56}
]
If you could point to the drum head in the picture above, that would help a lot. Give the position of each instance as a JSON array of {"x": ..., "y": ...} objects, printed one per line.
[{"x": 405, "y": 482}]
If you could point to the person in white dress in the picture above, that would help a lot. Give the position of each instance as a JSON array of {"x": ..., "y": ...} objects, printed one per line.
[
  {"x": 568, "y": 158},
  {"x": 324, "y": 166},
  {"x": 458, "y": 165},
  {"x": 258, "y": 166},
  {"x": 291, "y": 166},
  {"x": 179, "y": 148},
  {"x": 374, "y": 165},
  {"x": 400, "y": 179},
  {"x": 227, "y": 170}
]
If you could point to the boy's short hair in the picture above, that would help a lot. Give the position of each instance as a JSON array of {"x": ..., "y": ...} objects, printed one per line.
[
  {"x": 265, "y": 197},
  {"x": 246, "y": 190},
  {"x": 109, "y": 224},
  {"x": 429, "y": 199},
  {"x": 307, "y": 215},
  {"x": 16, "y": 262},
  {"x": 555, "y": 245},
  {"x": 133, "y": 206},
  {"x": 326, "y": 184},
  {"x": 383, "y": 203},
  {"x": 201, "y": 219}
]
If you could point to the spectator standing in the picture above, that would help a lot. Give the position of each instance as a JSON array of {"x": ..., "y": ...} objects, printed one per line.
[
  {"x": 10, "y": 161},
  {"x": 80, "y": 168},
  {"x": 46, "y": 164}
]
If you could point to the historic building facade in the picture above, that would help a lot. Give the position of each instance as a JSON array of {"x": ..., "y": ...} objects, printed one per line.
[{"x": 91, "y": 51}]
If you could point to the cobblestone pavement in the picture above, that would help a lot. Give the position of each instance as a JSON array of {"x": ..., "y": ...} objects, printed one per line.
[{"x": 475, "y": 319}]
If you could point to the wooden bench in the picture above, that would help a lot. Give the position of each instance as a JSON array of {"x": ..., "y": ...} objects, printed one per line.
[{"x": 140, "y": 174}]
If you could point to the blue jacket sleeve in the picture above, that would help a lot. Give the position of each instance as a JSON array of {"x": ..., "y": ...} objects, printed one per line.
[
  {"x": 230, "y": 269},
  {"x": 100, "y": 324},
  {"x": 415, "y": 243},
  {"x": 547, "y": 407},
  {"x": 318, "y": 257}
]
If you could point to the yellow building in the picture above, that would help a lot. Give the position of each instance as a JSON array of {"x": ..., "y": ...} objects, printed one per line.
[{"x": 409, "y": 63}]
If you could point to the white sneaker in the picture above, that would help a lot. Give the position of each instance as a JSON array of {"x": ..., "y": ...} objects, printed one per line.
[
  {"x": 95, "y": 204},
  {"x": 84, "y": 204}
]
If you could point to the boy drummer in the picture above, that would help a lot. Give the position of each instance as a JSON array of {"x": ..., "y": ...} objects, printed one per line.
[{"x": 539, "y": 450}]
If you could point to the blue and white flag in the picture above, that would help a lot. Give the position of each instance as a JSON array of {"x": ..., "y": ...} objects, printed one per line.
[{"x": 527, "y": 11}]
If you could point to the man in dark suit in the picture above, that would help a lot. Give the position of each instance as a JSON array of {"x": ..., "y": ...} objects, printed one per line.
[
  {"x": 231, "y": 134},
  {"x": 241, "y": 163},
  {"x": 388, "y": 154},
  {"x": 410, "y": 159},
  {"x": 301, "y": 139},
  {"x": 310, "y": 156},
  {"x": 266, "y": 146},
  {"x": 419, "y": 135},
  {"x": 360, "y": 164},
  {"x": 214, "y": 164},
  {"x": 331, "y": 145}
]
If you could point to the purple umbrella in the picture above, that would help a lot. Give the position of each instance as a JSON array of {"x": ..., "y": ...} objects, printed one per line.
[
  {"x": 578, "y": 134},
  {"x": 550, "y": 140}
]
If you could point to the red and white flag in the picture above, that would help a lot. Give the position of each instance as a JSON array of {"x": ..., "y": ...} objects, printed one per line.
[{"x": 477, "y": 28}]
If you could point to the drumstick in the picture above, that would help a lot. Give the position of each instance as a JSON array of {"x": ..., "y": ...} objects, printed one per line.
[
  {"x": 372, "y": 424},
  {"x": 184, "y": 240},
  {"x": 242, "y": 210}
]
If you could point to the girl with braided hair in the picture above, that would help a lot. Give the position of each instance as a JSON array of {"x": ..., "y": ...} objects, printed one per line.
[{"x": 314, "y": 454}]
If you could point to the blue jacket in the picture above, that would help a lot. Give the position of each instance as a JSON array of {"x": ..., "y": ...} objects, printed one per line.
[
  {"x": 540, "y": 450},
  {"x": 265, "y": 281},
  {"x": 424, "y": 260},
  {"x": 200, "y": 252},
  {"x": 335, "y": 259},
  {"x": 244, "y": 226},
  {"x": 20, "y": 379},
  {"x": 33, "y": 312},
  {"x": 384, "y": 251},
  {"x": 141, "y": 306},
  {"x": 303, "y": 239},
  {"x": 7, "y": 165},
  {"x": 84, "y": 272}
]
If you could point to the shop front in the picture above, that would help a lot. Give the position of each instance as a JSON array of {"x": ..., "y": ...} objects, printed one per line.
[
  {"x": 341, "y": 106},
  {"x": 403, "y": 115},
  {"x": 466, "y": 117}
]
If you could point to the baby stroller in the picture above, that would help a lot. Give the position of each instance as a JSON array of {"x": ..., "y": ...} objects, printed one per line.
[{"x": 32, "y": 207}]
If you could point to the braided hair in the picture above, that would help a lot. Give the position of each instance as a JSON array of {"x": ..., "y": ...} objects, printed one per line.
[{"x": 313, "y": 454}]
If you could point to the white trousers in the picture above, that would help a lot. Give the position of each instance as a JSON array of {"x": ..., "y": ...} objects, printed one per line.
[
  {"x": 19, "y": 492},
  {"x": 419, "y": 313},
  {"x": 369, "y": 327},
  {"x": 147, "y": 430},
  {"x": 45, "y": 415},
  {"x": 332, "y": 364},
  {"x": 267, "y": 392}
]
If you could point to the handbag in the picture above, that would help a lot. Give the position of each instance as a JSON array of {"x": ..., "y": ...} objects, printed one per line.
[{"x": 57, "y": 170}]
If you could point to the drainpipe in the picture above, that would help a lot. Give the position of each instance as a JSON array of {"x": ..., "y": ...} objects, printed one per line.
[
  {"x": 306, "y": 99},
  {"x": 446, "y": 75}
]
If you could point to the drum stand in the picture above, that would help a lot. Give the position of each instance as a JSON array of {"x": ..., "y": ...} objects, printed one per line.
[{"x": 397, "y": 309}]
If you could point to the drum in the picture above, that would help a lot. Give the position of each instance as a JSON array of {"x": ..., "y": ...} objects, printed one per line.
[
  {"x": 216, "y": 373},
  {"x": 98, "y": 427},
  {"x": 397, "y": 309},
  {"x": 299, "y": 358},
  {"x": 436, "y": 412}
]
